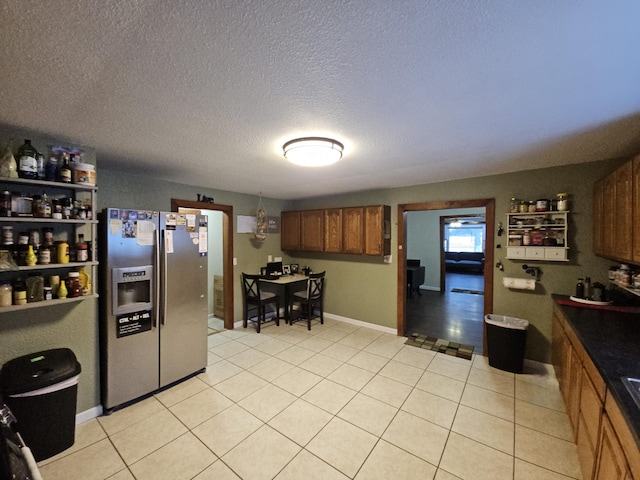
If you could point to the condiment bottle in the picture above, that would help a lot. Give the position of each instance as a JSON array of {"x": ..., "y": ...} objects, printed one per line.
[
  {"x": 51, "y": 170},
  {"x": 580, "y": 288},
  {"x": 64, "y": 170},
  {"x": 5, "y": 204},
  {"x": 74, "y": 288},
  {"x": 63, "y": 252},
  {"x": 62, "y": 290},
  {"x": 82, "y": 249},
  {"x": 30, "y": 259}
]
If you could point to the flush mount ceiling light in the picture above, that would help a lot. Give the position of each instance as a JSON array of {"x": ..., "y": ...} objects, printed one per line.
[{"x": 313, "y": 151}]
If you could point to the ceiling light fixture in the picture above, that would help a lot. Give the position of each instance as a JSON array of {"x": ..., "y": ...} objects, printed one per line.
[{"x": 313, "y": 151}]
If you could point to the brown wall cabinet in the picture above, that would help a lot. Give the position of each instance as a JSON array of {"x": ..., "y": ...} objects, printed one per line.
[
  {"x": 352, "y": 230},
  {"x": 312, "y": 230},
  {"x": 333, "y": 230},
  {"x": 616, "y": 214},
  {"x": 290, "y": 231}
]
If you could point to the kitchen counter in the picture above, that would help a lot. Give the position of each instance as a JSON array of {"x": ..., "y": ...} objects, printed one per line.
[{"x": 612, "y": 340}]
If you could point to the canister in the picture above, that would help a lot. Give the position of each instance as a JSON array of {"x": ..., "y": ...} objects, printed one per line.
[
  {"x": 563, "y": 202},
  {"x": 542, "y": 205},
  {"x": 6, "y": 294},
  {"x": 84, "y": 174}
]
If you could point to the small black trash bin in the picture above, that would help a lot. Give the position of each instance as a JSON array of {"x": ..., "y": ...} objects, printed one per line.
[
  {"x": 41, "y": 390},
  {"x": 506, "y": 342}
]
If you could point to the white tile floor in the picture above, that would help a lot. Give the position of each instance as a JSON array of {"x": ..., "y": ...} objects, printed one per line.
[{"x": 335, "y": 403}]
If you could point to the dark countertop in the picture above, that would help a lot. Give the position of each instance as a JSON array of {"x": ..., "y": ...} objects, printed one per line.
[{"x": 612, "y": 340}]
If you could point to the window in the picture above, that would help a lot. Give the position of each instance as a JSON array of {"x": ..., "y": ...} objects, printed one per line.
[{"x": 464, "y": 238}]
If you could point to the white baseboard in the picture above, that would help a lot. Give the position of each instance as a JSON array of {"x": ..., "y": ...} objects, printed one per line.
[
  {"x": 88, "y": 414},
  {"x": 352, "y": 321}
]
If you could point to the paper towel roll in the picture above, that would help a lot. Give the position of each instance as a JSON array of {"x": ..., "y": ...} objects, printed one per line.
[{"x": 519, "y": 283}]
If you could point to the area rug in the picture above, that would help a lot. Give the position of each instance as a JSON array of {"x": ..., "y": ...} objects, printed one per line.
[
  {"x": 440, "y": 345},
  {"x": 464, "y": 290}
]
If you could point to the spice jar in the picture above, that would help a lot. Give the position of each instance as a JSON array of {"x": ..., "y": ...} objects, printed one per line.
[
  {"x": 523, "y": 207},
  {"x": 563, "y": 202},
  {"x": 19, "y": 292},
  {"x": 6, "y": 294}
]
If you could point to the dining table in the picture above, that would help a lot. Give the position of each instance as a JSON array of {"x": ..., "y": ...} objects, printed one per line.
[{"x": 290, "y": 283}]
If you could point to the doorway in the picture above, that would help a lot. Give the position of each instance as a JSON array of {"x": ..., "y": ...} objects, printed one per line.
[
  {"x": 483, "y": 306},
  {"x": 227, "y": 251}
]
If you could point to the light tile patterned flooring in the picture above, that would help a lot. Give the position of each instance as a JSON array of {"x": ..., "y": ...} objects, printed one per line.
[{"x": 338, "y": 402}]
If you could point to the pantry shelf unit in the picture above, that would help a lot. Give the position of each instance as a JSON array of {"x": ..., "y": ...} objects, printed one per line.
[
  {"x": 64, "y": 229},
  {"x": 538, "y": 236}
]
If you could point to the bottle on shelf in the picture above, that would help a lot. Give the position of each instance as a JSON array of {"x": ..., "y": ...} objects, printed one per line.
[
  {"x": 580, "y": 288},
  {"x": 8, "y": 165},
  {"x": 587, "y": 287},
  {"x": 30, "y": 258},
  {"x": 82, "y": 249},
  {"x": 85, "y": 281},
  {"x": 5, "y": 204},
  {"x": 22, "y": 248},
  {"x": 62, "y": 290},
  {"x": 51, "y": 170},
  {"x": 27, "y": 161},
  {"x": 63, "y": 252},
  {"x": 40, "y": 174},
  {"x": 64, "y": 170}
]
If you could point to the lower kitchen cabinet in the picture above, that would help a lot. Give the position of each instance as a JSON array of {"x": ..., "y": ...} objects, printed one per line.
[
  {"x": 612, "y": 464},
  {"x": 606, "y": 446}
]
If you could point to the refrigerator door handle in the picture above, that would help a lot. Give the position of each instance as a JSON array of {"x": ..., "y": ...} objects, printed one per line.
[
  {"x": 156, "y": 300},
  {"x": 163, "y": 279}
]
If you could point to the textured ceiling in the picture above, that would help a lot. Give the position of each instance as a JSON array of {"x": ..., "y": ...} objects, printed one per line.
[{"x": 207, "y": 92}]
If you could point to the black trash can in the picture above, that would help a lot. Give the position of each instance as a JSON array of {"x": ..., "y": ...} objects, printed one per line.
[
  {"x": 506, "y": 342},
  {"x": 41, "y": 389}
]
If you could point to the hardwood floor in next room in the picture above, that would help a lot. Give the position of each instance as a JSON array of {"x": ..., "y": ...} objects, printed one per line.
[{"x": 454, "y": 316}]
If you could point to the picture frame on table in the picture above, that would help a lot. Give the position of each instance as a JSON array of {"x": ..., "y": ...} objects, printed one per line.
[
  {"x": 295, "y": 268},
  {"x": 286, "y": 269}
]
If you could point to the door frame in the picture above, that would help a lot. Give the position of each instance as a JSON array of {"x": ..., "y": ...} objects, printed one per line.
[
  {"x": 227, "y": 249},
  {"x": 490, "y": 213}
]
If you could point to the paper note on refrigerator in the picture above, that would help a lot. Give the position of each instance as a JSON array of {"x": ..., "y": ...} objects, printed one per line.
[
  {"x": 168, "y": 241},
  {"x": 146, "y": 232},
  {"x": 203, "y": 240}
]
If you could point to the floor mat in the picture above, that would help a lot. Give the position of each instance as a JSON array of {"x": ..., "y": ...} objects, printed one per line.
[
  {"x": 464, "y": 290},
  {"x": 440, "y": 345}
]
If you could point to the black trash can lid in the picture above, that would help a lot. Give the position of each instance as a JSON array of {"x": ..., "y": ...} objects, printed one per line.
[{"x": 38, "y": 370}]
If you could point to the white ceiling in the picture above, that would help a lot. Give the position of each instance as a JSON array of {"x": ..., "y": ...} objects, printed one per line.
[{"x": 207, "y": 92}]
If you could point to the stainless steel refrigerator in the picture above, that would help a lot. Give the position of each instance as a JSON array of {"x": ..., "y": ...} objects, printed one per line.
[{"x": 153, "y": 301}]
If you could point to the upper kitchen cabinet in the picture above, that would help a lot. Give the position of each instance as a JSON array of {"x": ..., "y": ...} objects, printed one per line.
[
  {"x": 312, "y": 230},
  {"x": 378, "y": 230},
  {"x": 353, "y": 230},
  {"x": 290, "y": 231},
  {"x": 616, "y": 214},
  {"x": 333, "y": 230}
]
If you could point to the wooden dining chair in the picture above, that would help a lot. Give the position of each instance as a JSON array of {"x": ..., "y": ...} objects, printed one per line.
[
  {"x": 309, "y": 300},
  {"x": 256, "y": 299}
]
